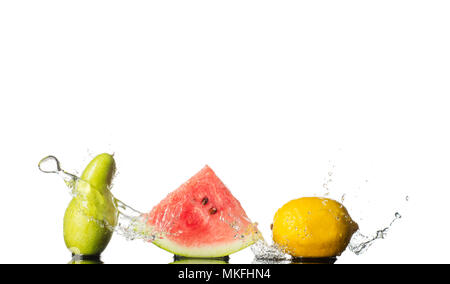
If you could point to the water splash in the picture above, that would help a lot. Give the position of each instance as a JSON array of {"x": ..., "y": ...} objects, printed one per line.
[
  {"x": 132, "y": 224},
  {"x": 360, "y": 243},
  {"x": 265, "y": 252},
  {"x": 51, "y": 165}
]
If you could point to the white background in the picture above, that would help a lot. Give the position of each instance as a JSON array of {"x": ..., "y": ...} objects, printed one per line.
[{"x": 273, "y": 95}]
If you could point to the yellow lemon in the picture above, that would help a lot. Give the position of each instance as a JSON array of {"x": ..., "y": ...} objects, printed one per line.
[{"x": 313, "y": 227}]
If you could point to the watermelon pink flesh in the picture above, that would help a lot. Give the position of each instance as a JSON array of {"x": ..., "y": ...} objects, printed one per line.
[{"x": 202, "y": 219}]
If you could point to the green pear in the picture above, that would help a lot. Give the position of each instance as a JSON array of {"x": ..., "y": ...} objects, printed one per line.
[{"x": 92, "y": 214}]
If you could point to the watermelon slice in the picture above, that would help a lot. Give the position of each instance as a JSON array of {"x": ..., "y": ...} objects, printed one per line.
[{"x": 202, "y": 219}]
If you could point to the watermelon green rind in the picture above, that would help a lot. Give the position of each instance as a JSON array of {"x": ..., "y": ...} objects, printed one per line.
[{"x": 205, "y": 251}]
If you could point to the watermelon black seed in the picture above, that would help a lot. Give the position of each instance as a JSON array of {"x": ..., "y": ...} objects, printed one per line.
[
  {"x": 204, "y": 201},
  {"x": 213, "y": 210}
]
